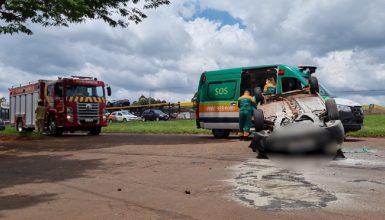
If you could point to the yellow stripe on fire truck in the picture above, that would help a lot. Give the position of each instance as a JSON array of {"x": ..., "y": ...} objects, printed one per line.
[{"x": 86, "y": 99}]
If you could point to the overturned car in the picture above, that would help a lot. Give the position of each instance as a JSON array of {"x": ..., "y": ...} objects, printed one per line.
[{"x": 298, "y": 121}]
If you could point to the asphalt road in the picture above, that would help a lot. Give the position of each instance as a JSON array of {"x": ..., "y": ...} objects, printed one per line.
[{"x": 184, "y": 177}]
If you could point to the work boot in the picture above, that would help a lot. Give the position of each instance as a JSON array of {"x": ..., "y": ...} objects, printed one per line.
[
  {"x": 339, "y": 155},
  {"x": 262, "y": 156},
  {"x": 246, "y": 136},
  {"x": 240, "y": 134}
]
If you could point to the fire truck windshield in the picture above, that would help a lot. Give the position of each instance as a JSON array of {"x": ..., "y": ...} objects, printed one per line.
[{"x": 85, "y": 91}]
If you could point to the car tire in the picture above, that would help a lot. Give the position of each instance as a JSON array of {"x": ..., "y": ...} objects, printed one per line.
[
  {"x": 259, "y": 95},
  {"x": 314, "y": 87},
  {"x": 259, "y": 120},
  {"x": 220, "y": 133},
  {"x": 331, "y": 109},
  {"x": 124, "y": 120}
]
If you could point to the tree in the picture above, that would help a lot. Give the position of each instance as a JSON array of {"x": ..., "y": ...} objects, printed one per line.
[
  {"x": 16, "y": 14},
  {"x": 143, "y": 100}
]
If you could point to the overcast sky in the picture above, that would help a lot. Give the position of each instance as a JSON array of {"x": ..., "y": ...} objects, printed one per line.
[{"x": 166, "y": 54}]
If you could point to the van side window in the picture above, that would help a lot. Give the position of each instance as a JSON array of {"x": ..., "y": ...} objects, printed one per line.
[
  {"x": 222, "y": 90},
  {"x": 290, "y": 84}
]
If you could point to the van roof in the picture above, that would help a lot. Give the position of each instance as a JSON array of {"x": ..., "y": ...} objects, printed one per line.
[{"x": 239, "y": 69}]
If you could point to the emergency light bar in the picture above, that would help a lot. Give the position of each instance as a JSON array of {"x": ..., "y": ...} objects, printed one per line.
[
  {"x": 307, "y": 68},
  {"x": 84, "y": 77}
]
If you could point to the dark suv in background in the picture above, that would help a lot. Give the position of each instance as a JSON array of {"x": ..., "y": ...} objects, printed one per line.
[
  {"x": 154, "y": 115},
  {"x": 119, "y": 103}
]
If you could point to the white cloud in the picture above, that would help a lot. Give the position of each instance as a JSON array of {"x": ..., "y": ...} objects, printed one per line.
[{"x": 167, "y": 52}]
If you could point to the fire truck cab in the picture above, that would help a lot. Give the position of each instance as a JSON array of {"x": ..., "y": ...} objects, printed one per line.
[{"x": 72, "y": 104}]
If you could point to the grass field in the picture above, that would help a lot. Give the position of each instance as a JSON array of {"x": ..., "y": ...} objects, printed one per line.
[
  {"x": 156, "y": 127},
  {"x": 11, "y": 131},
  {"x": 374, "y": 127}
]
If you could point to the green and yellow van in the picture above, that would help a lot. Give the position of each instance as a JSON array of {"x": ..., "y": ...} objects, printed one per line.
[{"x": 218, "y": 93}]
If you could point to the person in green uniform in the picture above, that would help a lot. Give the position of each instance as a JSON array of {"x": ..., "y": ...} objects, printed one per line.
[{"x": 246, "y": 104}]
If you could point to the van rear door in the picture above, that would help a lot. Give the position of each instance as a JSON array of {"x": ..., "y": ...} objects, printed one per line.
[{"x": 218, "y": 107}]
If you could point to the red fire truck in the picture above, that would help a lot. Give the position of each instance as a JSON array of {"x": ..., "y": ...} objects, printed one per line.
[{"x": 72, "y": 104}]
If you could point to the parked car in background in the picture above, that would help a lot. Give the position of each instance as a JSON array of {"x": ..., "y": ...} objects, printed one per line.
[
  {"x": 119, "y": 103},
  {"x": 122, "y": 116},
  {"x": 2, "y": 125},
  {"x": 154, "y": 115}
]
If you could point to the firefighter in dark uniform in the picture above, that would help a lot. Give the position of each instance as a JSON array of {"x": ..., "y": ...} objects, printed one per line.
[
  {"x": 246, "y": 105},
  {"x": 40, "y": 112}
]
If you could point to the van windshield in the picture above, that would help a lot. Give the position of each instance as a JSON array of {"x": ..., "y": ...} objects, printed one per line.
[
  {"x": 85, "y": 91},
  {"x": 324, "y": 92}
]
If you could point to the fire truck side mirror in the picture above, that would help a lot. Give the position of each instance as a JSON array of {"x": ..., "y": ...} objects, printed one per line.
[{"x": 109, "y": 91}]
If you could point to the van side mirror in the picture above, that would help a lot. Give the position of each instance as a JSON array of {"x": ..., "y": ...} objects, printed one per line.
[{"x": 109, "y": 92}]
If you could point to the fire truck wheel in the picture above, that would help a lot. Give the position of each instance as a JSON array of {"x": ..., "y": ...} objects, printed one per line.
[
  {"x": 53, "y": 129},
  {"x": 96, "y": 131},
  {"x": 19, "y": 125}
]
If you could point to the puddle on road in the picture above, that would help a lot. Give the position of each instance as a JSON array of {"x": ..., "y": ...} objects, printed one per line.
[{"x": 260, "y": 184}]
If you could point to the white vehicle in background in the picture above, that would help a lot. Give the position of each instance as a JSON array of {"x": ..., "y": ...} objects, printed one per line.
[
  {"x": 350, "y": 112},
  {"x": 122, "y": 116}
]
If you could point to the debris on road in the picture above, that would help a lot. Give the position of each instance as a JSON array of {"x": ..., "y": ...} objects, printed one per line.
[{"x": 359, "y": 150}]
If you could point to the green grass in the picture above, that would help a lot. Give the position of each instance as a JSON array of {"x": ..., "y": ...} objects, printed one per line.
[
  {"x": 11, "y": 131},
  {"x": 374, "y": 127},
  {"x": 156, "y": 127}
]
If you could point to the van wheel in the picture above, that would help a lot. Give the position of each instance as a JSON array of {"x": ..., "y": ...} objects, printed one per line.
[
  {"x": 221, "y": 133},
  {"x": 314, "y": 87},
  {"x": 258, "y": 95},
  {"x": 331, "y": 109},
  {"x": 19, "y": 125},
  {"x": 259, "y": 120}
]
